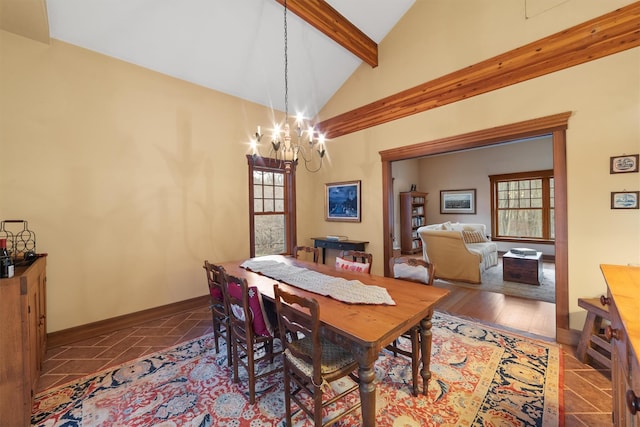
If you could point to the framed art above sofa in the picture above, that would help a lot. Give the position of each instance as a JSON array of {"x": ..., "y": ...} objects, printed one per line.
[{"x": 458, "y": 201}]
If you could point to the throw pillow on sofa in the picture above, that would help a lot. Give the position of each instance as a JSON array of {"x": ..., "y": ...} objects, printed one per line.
[{"x": 473, "y": 237}]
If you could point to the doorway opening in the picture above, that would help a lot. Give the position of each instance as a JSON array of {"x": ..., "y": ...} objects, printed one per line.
[{"x": 555, "y": 126}]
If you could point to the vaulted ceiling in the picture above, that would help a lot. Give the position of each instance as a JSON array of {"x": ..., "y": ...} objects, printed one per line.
[
  {"x": 233, "y": 46},
  {"x": 237, "y": 47}
]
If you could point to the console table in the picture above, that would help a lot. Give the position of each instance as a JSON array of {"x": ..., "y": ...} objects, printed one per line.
[{"x": 341, "y": 245}]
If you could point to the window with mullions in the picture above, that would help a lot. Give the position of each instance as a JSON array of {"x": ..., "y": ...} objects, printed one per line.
[
  {"x": 272, "y": 205},
  {"x": 522, "y": 206},
  {"x": 269, "y": 214}
]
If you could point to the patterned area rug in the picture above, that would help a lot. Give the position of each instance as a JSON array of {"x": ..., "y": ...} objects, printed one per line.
[{"x": 481, "y": 376}]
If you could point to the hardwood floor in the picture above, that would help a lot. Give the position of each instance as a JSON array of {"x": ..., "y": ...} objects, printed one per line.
[{"x": 587, "y": 390}]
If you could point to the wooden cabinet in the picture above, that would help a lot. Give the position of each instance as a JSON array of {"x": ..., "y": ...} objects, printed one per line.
[
  {"x": 413, "y": 214},
  {"x": 23, "y": 335},
  {"x": 623, "y": 283}
]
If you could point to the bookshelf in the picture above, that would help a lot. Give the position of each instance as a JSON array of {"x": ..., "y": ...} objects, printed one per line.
[{"x": 413, "y": 214}]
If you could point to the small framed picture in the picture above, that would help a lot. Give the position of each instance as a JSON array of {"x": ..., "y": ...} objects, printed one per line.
[
  {"x": 624, "y": 164},
  {"x": 624, "y": 199},
  {"x": 342, "y": 201},
  {"x": 458, "y": 201}
]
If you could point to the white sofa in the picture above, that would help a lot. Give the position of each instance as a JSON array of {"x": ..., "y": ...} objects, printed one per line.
[{"x": 459, "y": 251}]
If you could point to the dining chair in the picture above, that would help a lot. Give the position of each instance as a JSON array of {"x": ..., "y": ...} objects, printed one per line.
[
  {"x": 307, "y": 251},
  {"x": 311, "y": 362},
  {"x": 354, "y": 261},
  {"x": 252, "y": 339},
  {"x": 419, "y": 271},
  {"x": 219, "y": 306}
]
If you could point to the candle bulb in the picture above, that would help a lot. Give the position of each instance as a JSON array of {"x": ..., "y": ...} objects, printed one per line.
[{"x": 258, "y": 130}]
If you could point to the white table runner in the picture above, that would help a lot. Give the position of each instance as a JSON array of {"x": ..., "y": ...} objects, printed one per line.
[{"x": 349, "y": 291}]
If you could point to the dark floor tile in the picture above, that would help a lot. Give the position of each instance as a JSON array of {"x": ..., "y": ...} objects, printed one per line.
[
  {"x": 593, "y": 420},
  {"x": 572, "y": 420},
  {"x": 600, "y": 379},
  {"x": 574, "y": 403},
  {"x": 176, "y": 320},
  {"x": 153, "y": 332},
  {"x": 80, "y": 352},
  {"x": 116, "y": 337},
  {"x": 79, "y": 367},
  {"x": 588, "y": 392}
]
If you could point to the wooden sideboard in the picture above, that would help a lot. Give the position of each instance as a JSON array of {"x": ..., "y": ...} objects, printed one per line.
[
  {"x": 23, "y": 341},
  {"x": 623, "y": 284}
]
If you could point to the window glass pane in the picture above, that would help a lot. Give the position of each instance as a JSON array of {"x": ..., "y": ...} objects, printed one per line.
[
  {"x": 257, "y": 205},
  {"x": 279, "y": 192},
  {"x": 257, "y": 177},
  {"x": 553, "y": 224},
  {"x": 257, "y": 192},
  {"x": 268, "y": 192},
  {"x": 268, "y": 178},
  {"x": 520, "y": 223},
  {"x": 268, "y": 205},
  {"x": 279, "y": 205},
  {"x": 502, "y": 186},
  {"x": 278, "y": 179},
  {"x": 270, "y": 237},
  {"x": 536, "y": 203}
]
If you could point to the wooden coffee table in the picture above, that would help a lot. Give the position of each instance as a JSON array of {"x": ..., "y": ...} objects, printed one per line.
[{"x": 522, "y": 269}]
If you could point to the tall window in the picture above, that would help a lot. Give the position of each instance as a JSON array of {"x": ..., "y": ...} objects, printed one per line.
[
  {"x": 522, "y": 206},
  {"x": 272, "y": 206}
]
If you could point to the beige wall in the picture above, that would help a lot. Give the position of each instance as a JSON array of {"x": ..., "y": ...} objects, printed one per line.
[
  {"x": 438, "y": 37},
  {"x": 131, "y": 178}
]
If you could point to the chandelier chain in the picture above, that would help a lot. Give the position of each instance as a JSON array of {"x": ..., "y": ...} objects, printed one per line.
[{"x": 286, "y": 65}]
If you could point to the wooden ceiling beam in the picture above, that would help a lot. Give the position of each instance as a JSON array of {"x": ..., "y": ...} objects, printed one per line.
[
  {"x": 328, "y": 21},
  {"x": 606, "y": 35}
]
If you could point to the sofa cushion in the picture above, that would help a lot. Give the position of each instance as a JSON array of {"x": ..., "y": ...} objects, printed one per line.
[{"x": 473, "y": 236}]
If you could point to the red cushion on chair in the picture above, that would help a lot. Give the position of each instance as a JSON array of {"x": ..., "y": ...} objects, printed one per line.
[
  {"x": 216, "y": 293},
  {"x": 261, "y": 325},
  {"x": 343, "y": 264}
]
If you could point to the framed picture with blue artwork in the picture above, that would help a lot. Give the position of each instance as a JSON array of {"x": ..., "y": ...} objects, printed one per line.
[
  {"x": 623, "y": 164},
  {"x": 624, "y": 199},
  {"x": 342, "y": 201}
]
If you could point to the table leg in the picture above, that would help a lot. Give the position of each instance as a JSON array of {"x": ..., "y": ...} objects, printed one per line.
[
  {"x": 366, "y": 374},
  {"x": 425, "y": 350}
]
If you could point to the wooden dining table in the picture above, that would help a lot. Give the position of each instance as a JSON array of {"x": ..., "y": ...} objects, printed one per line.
[{"x": 365, "y": 329}]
